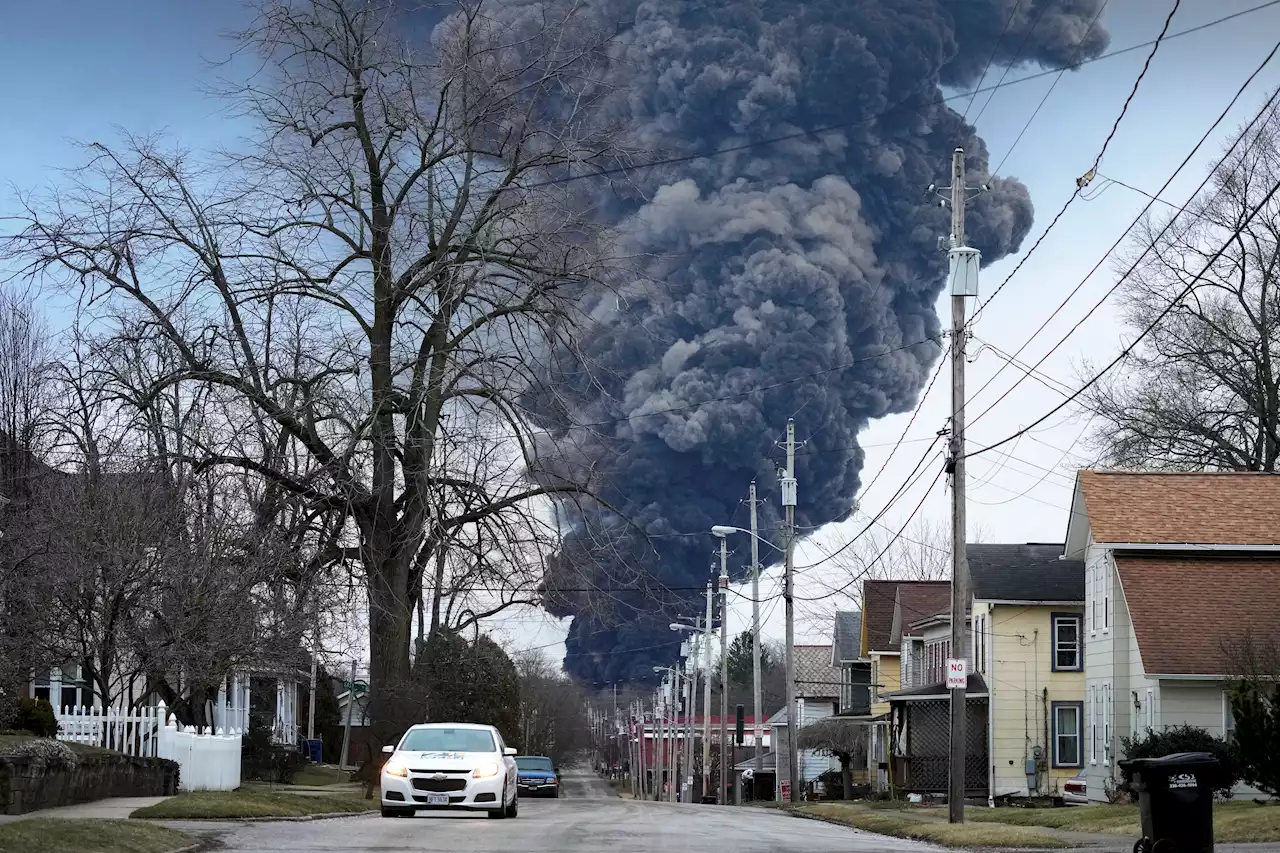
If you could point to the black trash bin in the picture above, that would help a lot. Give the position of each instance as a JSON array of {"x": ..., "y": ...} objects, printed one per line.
[{"x": 1175, "y": 800}]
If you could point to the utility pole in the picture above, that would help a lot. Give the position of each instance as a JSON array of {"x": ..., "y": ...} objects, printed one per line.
[
  {"x": 315, "y": 672},
  {"x": 756, "y": 702},
  {"x": 788, "y": 484},
  {"x": 346, "y": 730},
  {"x": 724, "y": 674},
  {"x": 705, "y": 639},
  {"x": 690, "y": 714},
  {"x": 661, "y": 715},
  {"x": 963, "y": 280}
]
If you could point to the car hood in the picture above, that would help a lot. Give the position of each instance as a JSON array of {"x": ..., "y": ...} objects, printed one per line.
[{"x": 446, "y": 761}]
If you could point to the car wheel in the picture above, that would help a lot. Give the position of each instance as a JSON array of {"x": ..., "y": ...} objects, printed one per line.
[
  {"x": 392, "y": 811},
  {"x": 513, "y": 809},
  {"x": 497, "y": 814},
  {"x": 555, "y": 793}
]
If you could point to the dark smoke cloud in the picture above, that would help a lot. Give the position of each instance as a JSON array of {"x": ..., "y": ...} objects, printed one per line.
[{"x": 768, "y": 264}]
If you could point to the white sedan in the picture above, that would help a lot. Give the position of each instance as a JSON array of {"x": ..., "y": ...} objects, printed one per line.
[{"x": 450, "y": 766}]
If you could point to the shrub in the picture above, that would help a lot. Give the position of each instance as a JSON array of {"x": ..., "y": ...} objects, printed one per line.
[
  {"x": 44, "y": 752},
  {"x": 36, "y": 717},
  {"x": 1177, "y": 739},
  {"x": 263, "y": 760},
  {"x": 1257, "y": 737}
]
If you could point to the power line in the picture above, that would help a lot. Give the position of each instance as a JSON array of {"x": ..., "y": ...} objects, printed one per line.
[
  {"x": 1040, "y": 106},
  {"x": 1136, "y": 220},
  {"x": 703, "y": 155},
  {"x": 1008, "y": 22},
  {"x": 1146, "y": 331},
  {"x": 1083, "y": 182}
]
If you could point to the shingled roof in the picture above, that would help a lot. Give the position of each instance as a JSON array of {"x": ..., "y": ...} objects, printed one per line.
[
  {"x": 879, "y": 599},
  {"x": 918, "y": 601},
  {"x": 1202, "y": 508},
  {"x": 1029, "y": 573},
  {"x": 1232, "y": 596},
  {"x": 816, "y": 678}
]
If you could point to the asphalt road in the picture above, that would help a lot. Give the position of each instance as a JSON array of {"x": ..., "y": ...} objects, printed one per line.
[{"x": 586, "y": 819}]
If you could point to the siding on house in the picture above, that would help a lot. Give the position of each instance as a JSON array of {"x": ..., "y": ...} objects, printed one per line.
[
  {"x": 885, "y": 678},
  {"x": 1022, "y": 691}
]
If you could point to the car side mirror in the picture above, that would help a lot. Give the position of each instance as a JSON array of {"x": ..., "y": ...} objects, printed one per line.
[
  {"x": 389, "y": 748},
  {"x": 510, "y": 750}
]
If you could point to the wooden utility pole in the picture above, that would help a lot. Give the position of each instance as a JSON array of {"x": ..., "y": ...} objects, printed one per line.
[
  {"x": 788, "y": 486},
  {"x": 757, "y": 703},
  {"x": 705, "y": 639},
  {"x": 724, "y": 675},
  {"x": 963, "y": 281}
]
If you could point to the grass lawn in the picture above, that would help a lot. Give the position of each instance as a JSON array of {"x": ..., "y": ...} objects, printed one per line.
[
  {"x": 90, "y": 836},
  {"x": 1233, "y": 822},
  {"x": 1112, "y": 820},
  {"x": 315, "y": 777},
  {"x": 901, "y": 824},
  {"x": 212, "y": 805}
]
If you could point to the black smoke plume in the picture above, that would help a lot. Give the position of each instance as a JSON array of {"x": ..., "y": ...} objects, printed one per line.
[{"x": 767, "y": 264}]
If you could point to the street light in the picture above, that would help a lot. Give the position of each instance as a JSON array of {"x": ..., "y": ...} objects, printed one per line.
[
  {"x": 722, "y": 531},
  {"x": 691, "y": 697}
]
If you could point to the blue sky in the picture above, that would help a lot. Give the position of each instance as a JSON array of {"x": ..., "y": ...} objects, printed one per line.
[{"x": 78, "y": 70}]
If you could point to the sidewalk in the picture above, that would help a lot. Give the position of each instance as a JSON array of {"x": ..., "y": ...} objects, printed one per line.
[{"x": 112, "y": 808}]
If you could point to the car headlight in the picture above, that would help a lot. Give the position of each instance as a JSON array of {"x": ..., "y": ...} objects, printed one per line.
[
  {"x": 395, "y": 768},
  {"x": 484, "y": 771}
]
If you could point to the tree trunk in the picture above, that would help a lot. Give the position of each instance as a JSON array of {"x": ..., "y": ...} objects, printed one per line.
[
  {"x": 390, "y": 625},
  {"x": 846, "y": 776}
]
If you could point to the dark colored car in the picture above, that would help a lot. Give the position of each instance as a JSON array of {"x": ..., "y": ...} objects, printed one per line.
[{"x": 536, "y": 776}]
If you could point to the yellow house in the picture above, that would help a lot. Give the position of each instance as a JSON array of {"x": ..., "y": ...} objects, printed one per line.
[{"x": 1028, "y": 612}]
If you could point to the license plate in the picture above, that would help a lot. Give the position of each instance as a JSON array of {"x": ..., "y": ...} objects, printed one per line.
[{"x": 437, "y": 799}]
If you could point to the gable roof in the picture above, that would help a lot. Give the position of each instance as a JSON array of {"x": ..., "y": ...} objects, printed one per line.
[
  {"x": 1202, "y": 508},
  {"x": 916, "y": 601},
  {"x": 846, "y": 637},
  {"x": 1026, "y": 573},
  {"x": 879, "y": 603},
  {"x": 816, "y": 678},
  {"x": 1232, "y": 596}
]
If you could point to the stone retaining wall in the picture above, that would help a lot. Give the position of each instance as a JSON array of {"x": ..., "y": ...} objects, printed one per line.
[{"x": 26, "y": 784}]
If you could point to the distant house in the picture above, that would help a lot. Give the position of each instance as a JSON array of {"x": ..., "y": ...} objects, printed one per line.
[
  {"x": 1179, "y": 568},
  {"x": 817, "y": 697},
  {"x": 883, "y": 649},
  {"x": 854, "y": 667},
  {"x": 1028, "y": 604}
]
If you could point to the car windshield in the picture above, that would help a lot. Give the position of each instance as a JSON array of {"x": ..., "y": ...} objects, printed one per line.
[
  {"x": 448, "y": 740},
  {"x": 528, "y": 762}
]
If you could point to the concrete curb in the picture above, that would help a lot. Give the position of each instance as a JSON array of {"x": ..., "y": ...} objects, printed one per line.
[{"x": 299, "y": 819}]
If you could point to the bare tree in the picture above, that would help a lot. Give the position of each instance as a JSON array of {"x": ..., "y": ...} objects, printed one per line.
[
  {"x": 553, "y": 718},
  {"x": 1202, "y": 389},
  {"x": 389, "y": 251},
  {"x": 919, "y": 552}
]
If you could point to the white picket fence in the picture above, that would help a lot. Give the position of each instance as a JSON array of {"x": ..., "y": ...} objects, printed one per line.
[{"x": 209, "y": 759}]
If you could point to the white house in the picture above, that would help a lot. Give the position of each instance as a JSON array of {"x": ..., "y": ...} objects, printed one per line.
[{"x": 1179, "y": 568}]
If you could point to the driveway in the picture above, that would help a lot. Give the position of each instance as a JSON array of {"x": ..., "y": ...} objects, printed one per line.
[{"x": 586, "y": 819}]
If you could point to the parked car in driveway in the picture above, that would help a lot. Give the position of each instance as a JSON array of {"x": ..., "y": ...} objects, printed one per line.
[
  {"x": 1074, "y": 791},
  {"x": 537, "y": 776},
  {"x": 450, "y": 766}
]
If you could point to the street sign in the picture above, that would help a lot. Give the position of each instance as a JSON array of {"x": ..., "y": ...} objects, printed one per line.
[{"x": 957, "y": 673}]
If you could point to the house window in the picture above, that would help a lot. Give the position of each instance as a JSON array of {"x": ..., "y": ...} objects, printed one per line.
[
  {"x": 1106, "y": 721},
  {"x": 1093, "y": 726},
  {"x": 1068, "y": 729},
  {"x": 1105, "y": 578},
  {"x": 1066, "y": 642},
  {"x": 1228, "y": 717}
]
